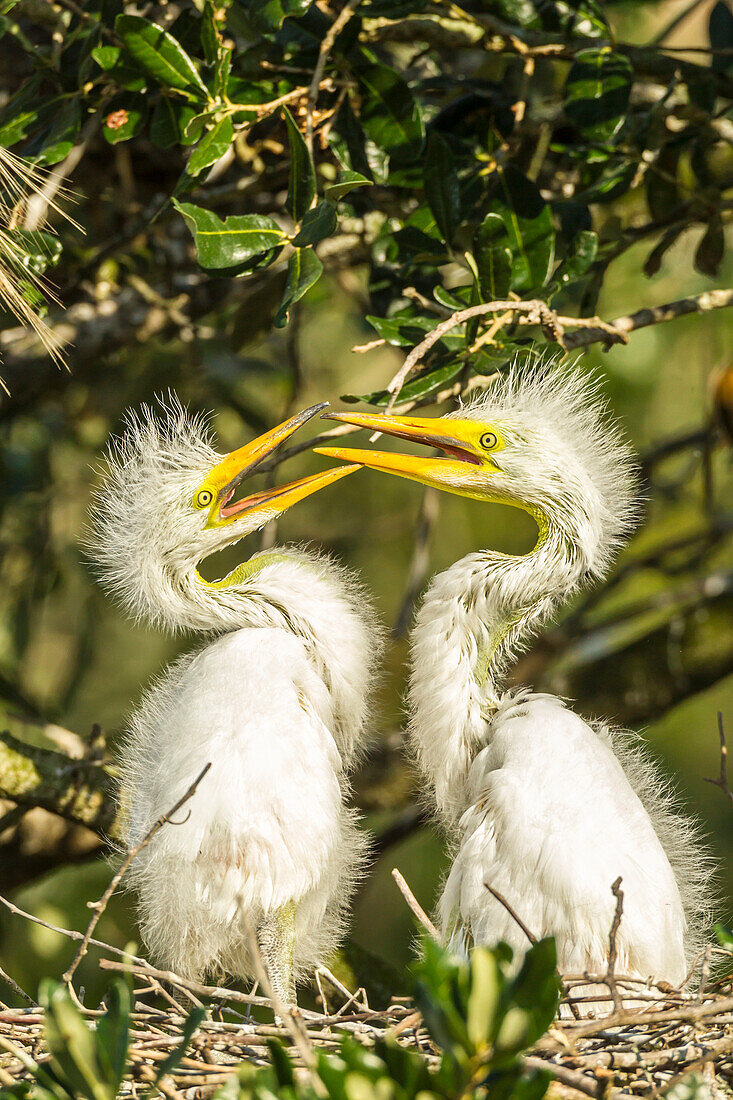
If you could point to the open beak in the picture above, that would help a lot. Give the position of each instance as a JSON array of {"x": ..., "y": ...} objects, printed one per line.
[
  {"x": 226, "y": 477},
  {"x": 456, "y": 438}
]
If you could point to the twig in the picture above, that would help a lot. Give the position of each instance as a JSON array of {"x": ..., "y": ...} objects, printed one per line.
[
  {"x": 573, "y": 1078},
  {"x": 18, "y": 990},
  {"x": 415, "y": 905},
  {"x": 100, "y": 906},
  {"x": 500, "y": 898},
  {"x": 70, "y": 933},
  {"x": 325, "y": 48},
  {"x": 655, "y": 315},
  {"x": 722, "y": 780},
  {"x": 531, "y": 312},
  {"x": 610, "y": 977}
]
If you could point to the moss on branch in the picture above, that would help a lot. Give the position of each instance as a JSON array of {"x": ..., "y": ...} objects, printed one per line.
[{"x": 78, "y": 790}]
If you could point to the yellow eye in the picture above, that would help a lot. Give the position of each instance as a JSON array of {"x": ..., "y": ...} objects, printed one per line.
[
  {"x": 204, "y": 498},
  {"x": 488, "y": 441}
]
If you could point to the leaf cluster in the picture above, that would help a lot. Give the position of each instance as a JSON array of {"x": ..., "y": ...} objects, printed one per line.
[{"x": 513, "y": 149}]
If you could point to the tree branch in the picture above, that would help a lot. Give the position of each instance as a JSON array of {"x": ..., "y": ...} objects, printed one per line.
[{"x": 78, "y": 790}]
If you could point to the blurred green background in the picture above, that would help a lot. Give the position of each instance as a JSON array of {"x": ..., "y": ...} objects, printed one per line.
[{"x": 68, "y": 656}]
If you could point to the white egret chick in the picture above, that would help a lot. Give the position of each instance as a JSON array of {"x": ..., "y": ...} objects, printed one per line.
[
  {"x": 275, "y": 699},
  {"x": 544, "y": 807}
]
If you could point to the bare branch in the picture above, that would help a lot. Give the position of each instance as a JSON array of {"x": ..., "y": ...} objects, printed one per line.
[
  {"x": 722, "y": 780},
  {"x": 100, "y": 906},
  {"x": 77, "y": 790},
  {"x": 610, "y": 977},
  {"x": 502, "y": 900},
  {"x": 415, "y": 905}
]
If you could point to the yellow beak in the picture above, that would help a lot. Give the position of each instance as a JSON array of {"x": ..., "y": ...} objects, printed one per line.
[
  {"x": 464, "y": 473},
  {"x": 224, "y": 479}
]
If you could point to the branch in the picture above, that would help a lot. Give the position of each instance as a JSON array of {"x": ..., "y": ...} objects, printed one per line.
[
  {"x": 326, "y": 46},
  {"x": 77, "y": 790},
  {"x": 591, "y": 330},
  {"x": 722, "y": 780},
  {"x": 100, "y": 906},
  {"x": 415, "y": 905},
  {"x": 655, "y": 315},
  {"x": 610, "y": 976}
]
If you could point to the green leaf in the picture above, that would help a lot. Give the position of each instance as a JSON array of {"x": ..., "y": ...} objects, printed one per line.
[
  {"x": 597, "y": 92},
  {"x": 125, "y": 116},
  {"x": 347, "y": 140},
  {"x": 170, "y": 119},
  {"x": 190, "y": 1025},
  {"x": 281, "y": 1064},
  {"x": 529, "y": 223},
  {"x": 38, "y": 249},
  {"x": 61, "y": 135},
  {"x": 427, "y": 384},
  {"x": 493, "y": 258},
  {"x": 71, "y": 1043},
  {"x": 229, "y": 243},
  {"x": 20, "y": 113},
  {"x": 442, "y": 189},
  {"x": 720, "y": 32},
  {"x": 267, "y": 16},
  {"x": 483, "y": 1000},
  {"x": 317, "y": 223},
  {"x": 390, "y": 114},
  {"x": 346, "y": 182},
  {"x": 112, "y": 1034},
  {"x": 213, "y": 146},
  {"x": 304, "y": 269},
  {"x": 711, "y": 249},
  {"x": 160, "y": 55},
  {"x": 302, "y": 182},
  {"x": 112, "y": 60},
  {"x": 583, "y": 252}
]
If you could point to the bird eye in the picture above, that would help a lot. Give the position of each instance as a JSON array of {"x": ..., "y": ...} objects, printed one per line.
[
  {"x": 488, "y": 440},
  {"x": 204, "y": 498}
]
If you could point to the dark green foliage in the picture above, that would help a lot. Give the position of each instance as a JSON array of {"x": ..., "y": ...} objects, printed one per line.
[
  {"x": 478, "y": 1015},
  {"x": 469, "y": 177}
]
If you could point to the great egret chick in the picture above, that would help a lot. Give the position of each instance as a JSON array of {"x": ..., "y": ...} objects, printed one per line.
[
  {"x": 274, "y": 698},
  {"x": 544, "y": 807}
]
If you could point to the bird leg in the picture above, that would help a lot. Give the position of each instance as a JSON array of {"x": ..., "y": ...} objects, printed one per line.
[{"x": 275, "y": 939}]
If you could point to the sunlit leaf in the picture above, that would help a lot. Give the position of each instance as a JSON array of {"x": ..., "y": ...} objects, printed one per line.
[
  {"x": 317, "y": 223},
  {"x": 530, "y": 227},
  {"x": 346, "y": 182},
  {"x": 390, "y": 114},
  {"x": 158, "y": 53},
  {"x": 229, "y": 243},
  {"x": 493, "y": 258},
  {"x": 211, "y": 147}
]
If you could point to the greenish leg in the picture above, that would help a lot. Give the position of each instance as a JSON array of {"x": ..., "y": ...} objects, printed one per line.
[{"x": 275, "y": 938}]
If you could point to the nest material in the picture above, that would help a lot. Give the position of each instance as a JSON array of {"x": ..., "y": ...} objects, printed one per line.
[{"x": 635, "y": 1051}]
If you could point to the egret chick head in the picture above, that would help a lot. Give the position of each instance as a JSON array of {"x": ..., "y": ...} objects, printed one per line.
[
  {"x": 169, "y": 499},
  {"x": 540, "y": 439}
]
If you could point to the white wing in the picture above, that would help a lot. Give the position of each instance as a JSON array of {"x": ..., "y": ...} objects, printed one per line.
[{"x": 553, "y": 822}]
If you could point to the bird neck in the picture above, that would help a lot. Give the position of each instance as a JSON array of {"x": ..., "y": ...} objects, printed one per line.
[
  {"x": 476, "y": 617},
  {"x": 307, "y": 595}
]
